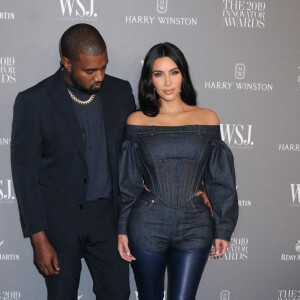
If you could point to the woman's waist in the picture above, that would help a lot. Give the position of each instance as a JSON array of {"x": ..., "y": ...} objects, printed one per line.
[
  {"x": 175, "y": 182},
  {"x": 172, "y": 200}
]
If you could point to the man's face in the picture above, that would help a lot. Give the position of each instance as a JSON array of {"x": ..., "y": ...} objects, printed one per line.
[{"x": 88, "y": 72}]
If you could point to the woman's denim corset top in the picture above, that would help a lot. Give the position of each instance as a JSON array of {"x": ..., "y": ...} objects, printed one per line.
[{"x": 174, "y": 162}]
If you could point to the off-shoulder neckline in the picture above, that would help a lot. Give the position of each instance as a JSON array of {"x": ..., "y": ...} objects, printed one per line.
[
  {"x": 174, "y": 126},
  {"x": 145, "y": 129}
]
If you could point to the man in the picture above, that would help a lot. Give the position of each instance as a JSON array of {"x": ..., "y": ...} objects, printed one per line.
[{"x": 66, "y": 135}]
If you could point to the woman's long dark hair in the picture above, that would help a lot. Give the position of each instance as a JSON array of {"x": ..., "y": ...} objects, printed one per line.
[{"x": 148, "y": 98}]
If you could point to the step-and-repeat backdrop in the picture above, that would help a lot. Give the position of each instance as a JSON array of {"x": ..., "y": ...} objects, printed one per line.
[{"x": 244, "y": 58}]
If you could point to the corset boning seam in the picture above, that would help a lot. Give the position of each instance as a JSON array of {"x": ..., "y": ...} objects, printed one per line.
[
  {"x": 183, "y": 189},
  {"x": 196, "y": 191},
  {"x": 204, "y": 165},
  {"x": 146, "y": 166}
]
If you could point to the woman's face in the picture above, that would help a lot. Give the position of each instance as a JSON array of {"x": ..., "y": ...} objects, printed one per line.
[{"x": 166, "y": 78}]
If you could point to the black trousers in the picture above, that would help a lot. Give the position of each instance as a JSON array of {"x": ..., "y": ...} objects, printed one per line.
[{"x": 109, "y": 272}]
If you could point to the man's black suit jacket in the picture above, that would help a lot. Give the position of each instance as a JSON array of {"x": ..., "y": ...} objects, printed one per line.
[{"x": 48, "y": 160}]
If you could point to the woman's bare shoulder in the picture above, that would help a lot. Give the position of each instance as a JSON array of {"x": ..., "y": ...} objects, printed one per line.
[
  {"x": 136, "y": 118},
  {"x": 208, "y": 116}
]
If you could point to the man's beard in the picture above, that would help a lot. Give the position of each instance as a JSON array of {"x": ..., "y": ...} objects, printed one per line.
[{"x": 90, "y": 90}]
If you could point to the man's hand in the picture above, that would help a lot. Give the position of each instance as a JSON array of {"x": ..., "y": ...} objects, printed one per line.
[
  {"x": 123, "y": 248},
  {"x": 45, "y": 256},
  {"x": 205, "y": 200},
  {"x": 220, "y": 247}
]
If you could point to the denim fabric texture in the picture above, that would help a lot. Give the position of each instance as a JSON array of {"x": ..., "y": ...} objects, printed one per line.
[
  {"x": 157, "y": 227},
  {"x": 174, "y": 162}
]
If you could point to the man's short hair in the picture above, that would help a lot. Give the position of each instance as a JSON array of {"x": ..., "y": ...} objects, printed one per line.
[{"x": 81, "y": 38}]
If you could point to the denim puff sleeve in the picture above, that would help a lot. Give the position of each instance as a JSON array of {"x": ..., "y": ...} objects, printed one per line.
[
  {"x": 130, "y": 182},
  {"x": 221, "y": 189}
]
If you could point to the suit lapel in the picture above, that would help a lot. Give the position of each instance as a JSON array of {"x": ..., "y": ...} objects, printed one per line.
[{"x": 63, "y": 101}]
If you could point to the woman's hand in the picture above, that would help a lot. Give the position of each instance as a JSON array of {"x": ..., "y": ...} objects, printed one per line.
[
  {"x": 123, "y": 248},
  {"x": 220, "y": 247}
]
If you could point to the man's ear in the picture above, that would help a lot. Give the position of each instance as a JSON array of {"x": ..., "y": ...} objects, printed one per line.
[{"x": 66, "y": 63}]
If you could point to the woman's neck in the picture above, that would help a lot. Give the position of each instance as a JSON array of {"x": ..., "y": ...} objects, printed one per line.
[{"x": 172, "y": 107}]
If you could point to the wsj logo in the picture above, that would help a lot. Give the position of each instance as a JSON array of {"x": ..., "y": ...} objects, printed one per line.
[
  {"x": 295, "y": 188},
  {"x": 225, "y": 295},
  {"x": 240, "y": 70},
  {"x": 6, "y": 195},
  {"x": 162, "y": 6},
  {"x": 78, "y": 8},
  {"x": 237, "y": 135}
]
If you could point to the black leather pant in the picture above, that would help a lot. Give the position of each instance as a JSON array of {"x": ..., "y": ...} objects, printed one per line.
[{"x": 185, "y": 268}]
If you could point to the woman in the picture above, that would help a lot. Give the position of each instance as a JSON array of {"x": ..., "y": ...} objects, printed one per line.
[{"x": 172, "y": 148}]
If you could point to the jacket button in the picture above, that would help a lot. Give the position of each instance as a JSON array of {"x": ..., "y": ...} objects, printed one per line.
[
  {"x": 84, "y": 180},
  {"x": 80, "y": 206}
]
